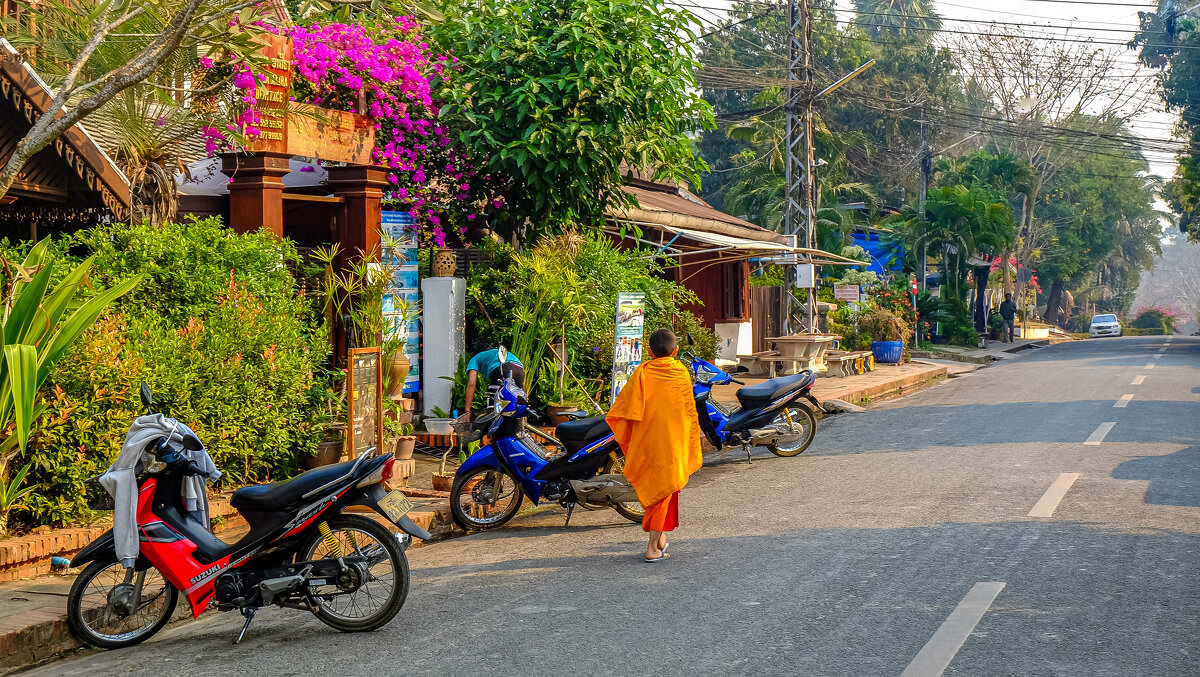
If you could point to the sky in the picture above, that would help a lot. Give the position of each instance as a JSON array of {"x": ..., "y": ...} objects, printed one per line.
[{"x": 1104, "y": 22}]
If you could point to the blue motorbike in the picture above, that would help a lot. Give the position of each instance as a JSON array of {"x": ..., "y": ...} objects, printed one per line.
[
  {"x": 771, "y": 413},
  {"x": 582, "y": 466}
]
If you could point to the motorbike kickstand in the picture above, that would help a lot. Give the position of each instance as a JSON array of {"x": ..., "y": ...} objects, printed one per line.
[
  {"x": 248, "y": 612},
  {"x": 746, "y": 448},
  {"x": 570, "y": 509}
]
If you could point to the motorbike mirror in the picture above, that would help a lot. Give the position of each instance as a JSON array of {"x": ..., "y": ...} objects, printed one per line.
[
  {"x": 689, "y": 339},
  {"x": 741, "y": 369},
  {"x": 502, "y": 352},
  {"x": 147, "y": 399}
]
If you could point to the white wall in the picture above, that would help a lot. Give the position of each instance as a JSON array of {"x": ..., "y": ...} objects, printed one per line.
[{"x": 733, "y": 339}]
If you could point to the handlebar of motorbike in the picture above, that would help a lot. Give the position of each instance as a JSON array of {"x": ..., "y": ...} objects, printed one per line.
[{"x": 741, "y": 383}]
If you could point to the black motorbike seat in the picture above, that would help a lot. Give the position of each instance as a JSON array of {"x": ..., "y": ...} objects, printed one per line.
[
  {"x": 576, "y": 435},
  {"x": 762, "y": 394},
  {"x": 279, "y": 495}
]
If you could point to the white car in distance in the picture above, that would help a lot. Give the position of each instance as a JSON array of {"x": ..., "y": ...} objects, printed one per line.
[{"x": 1104, "y": 325}]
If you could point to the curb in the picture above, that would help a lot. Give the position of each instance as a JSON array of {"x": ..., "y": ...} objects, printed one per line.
[{"x": 895, "y": 387}]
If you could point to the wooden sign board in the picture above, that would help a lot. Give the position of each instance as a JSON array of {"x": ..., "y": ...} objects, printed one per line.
[
  {"x": 364, "y": 390},
  {"x": 332, "y": 135},
  {"x": 272, "y": 95}
]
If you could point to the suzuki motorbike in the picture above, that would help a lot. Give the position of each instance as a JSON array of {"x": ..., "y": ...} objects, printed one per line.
[
  {"x": 303, "y": 551},
  {"x": 584, "y": 469},
  {"x": 771, "y": 413}
]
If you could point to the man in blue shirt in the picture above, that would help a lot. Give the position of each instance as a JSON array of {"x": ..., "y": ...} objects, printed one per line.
[{"x": 488, "y": 363}]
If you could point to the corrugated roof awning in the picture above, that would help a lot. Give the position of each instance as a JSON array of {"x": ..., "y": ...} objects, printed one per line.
[{"x": 728, "y": 241}]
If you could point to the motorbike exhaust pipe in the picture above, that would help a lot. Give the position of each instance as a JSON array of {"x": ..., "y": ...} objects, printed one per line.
[{"x": 604, "y": 489}]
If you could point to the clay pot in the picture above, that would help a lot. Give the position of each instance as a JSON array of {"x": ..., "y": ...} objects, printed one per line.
[
  {"x": 328, "y": 453},
  {"x": 558, "y": 415},
  {"x": 443, "y": 481},
  {"x": 445, "y": 263},
  {"x": 404, "y": 447},
  {"x": 399, "y": 368}
]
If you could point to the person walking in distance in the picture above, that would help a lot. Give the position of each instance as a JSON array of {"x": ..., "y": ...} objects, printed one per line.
[
  {"x": 1008, "y": 312},
  {"x": 654, "y": 420}
]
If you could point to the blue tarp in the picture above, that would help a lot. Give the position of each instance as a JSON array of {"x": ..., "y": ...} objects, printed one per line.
[{"x": 886, "y": 256}]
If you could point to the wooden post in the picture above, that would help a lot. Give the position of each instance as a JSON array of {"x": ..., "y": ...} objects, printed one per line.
[
  {"x": 255, "y": 190},
  {"x": 358, "y": 221}
]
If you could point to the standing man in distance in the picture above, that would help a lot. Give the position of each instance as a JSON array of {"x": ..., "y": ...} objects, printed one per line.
[{"x": 1008, "y": 312}]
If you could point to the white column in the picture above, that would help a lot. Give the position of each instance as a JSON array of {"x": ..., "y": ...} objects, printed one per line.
[{"x": 444, "y": 325}]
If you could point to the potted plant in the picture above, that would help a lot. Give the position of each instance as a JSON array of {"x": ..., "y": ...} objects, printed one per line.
[
  {"x": 330, "y": 420},
  {"x": 399, "y": 434},
  {"x": 354, "y": 296},
  {"x": 889, "y": 332}
]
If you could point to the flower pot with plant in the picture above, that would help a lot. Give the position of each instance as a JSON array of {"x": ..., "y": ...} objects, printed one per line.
[
  {"x": 395, "y": 359},
  {"x": 399, "y": 434},
  {"x": 889, "y": 334}
]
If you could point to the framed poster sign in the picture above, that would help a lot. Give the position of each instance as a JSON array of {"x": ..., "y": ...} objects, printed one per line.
[
  {"x": 364, "y": 391},
  {"x": 401, "y": 301},
  {"x": 627, "y": 347}
]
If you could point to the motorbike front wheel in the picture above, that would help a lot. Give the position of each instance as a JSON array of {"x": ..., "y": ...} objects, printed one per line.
[
  {"x": 112, "y": 607},
  {"x": 485, "y": 498},
  {"x": 365, "y": 596},
  {"x": 799, "y": 433}
]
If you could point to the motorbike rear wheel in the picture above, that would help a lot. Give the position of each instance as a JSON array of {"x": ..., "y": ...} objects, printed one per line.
[
  {"x": 800, "y": 433},
  {"x": 376, "y": 592},
  {"x": 485, "y": 498},
  {"x": 632, "y": 510},
  {"x": 98, "y": 611}
]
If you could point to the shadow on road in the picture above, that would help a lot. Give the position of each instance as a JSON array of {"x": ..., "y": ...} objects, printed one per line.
[{"x": 1174, "y": 478}]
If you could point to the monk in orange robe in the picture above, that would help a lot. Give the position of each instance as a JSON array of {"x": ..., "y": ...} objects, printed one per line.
[{"x": 654, "y": 420}]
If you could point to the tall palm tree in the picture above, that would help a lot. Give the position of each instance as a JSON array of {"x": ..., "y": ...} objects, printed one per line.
[{"x": 910, "y": 19}]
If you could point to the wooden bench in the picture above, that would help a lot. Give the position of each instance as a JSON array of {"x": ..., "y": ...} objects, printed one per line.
[{"x": 843, "y": 363}]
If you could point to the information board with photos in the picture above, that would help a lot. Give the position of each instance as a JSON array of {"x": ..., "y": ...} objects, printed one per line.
[{"x": 627, "y": 346}]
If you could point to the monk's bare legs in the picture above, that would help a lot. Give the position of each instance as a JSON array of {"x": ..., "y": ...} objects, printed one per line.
[{"x": 658, "y": 541}]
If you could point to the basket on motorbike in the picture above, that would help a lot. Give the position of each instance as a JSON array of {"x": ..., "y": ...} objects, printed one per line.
[
  {"x": 97, "y": 496},
  {"x": 467, "y": 431}
]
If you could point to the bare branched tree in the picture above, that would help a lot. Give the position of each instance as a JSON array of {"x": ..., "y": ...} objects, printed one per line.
[{"x": 1053, "y": 102}]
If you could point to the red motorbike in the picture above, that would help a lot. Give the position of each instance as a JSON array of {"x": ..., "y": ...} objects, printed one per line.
[{"x": 302, "y": 552}]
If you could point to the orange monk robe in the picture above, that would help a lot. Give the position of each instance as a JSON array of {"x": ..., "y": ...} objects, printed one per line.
[{"x": 654, "y": 420}]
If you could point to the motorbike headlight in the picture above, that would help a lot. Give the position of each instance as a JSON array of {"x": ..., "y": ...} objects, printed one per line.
[
  {"x": 151, "y": 464},
  {"x": 705, "y": 376}
]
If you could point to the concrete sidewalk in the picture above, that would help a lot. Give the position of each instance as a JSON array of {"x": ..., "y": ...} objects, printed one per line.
[{"x": 886, "y": 381}]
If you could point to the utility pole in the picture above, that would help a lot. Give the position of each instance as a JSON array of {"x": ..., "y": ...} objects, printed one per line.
[
  {"x": 798, "y": 178},
  {"x": 926, "y": 169},
  {"x": 800, "y": 192}
]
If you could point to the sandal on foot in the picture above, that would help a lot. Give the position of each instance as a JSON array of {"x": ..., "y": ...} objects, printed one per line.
[{"x": 660, "y": 558}]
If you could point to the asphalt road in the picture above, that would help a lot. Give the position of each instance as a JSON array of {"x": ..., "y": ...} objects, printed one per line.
[{"x": 864, "y": 556}]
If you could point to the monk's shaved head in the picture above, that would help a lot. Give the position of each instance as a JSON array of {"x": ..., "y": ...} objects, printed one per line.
[{"x": 662, "y": 343}]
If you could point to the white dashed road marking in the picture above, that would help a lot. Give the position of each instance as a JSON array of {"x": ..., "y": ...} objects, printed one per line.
[
  {"x": 937, "y": 653},
  {"x": 1098, "y": 436},
  {"x": 1049, "y": 501},
  {"x": 1149, "y": 366},
  {"x": 1137, "y": 380},
  {"x": 1123, "y": 402}
]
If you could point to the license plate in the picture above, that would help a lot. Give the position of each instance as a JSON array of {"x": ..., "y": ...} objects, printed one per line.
[{"x": 395, "y": 505}]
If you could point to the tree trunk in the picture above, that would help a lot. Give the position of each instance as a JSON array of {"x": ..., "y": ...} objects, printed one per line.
[{"x": 1052, "y": 303}]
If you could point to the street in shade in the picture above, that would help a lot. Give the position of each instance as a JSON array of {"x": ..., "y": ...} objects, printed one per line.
[{"x": 968, "y": 529}]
